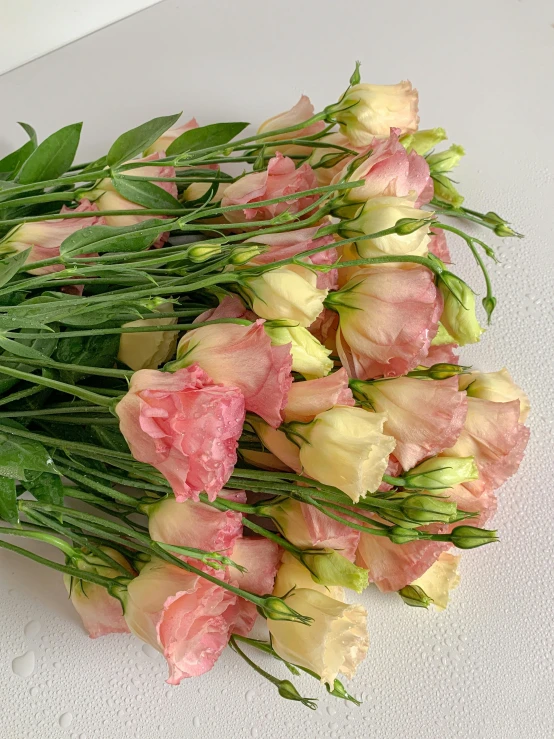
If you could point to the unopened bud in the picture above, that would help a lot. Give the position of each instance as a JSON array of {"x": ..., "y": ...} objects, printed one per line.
[
  {"x": 407, "y": 226},
  {"x": 445, "y": 190},
  {"x": 328, "y": 567},
  {"x": 423, "y": 141},
  {"x": 428, "y": 509},
  {"x": 242, "y": 255},
  {"x": 400, "y": 535},
  {"x": 287, "y": 690},
  {"x": 440, "y": 473},
  {"x": 339, "y": 691},
  {"x": 504, "y": 231},
  {"x": 276, "y": 609},
  {"x": 458, "y": 315},
  {"x": 415, "y": 596},
  {"x": 203, "y": 252},
  {"x": 444, "y": 161},
  {"x": 469, "y": 537},
  {"x": 440, "y": 371}
]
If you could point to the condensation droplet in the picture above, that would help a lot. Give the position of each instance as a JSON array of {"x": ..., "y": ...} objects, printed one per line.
[
  {"x": 250, "y": 695},
  {"x": 65, "y": 720},
  {"x": 196, "y": 722},
  {"x": 33, "y": 692},
  {"x": 24, "y": 665},
  {"x": 31, "y": 629}
]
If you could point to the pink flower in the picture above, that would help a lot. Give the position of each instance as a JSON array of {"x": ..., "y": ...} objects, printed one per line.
[
  {"x": 44, "y": 238},
  {"x": 332, "y": 161},
  {"x": 109, "y": 199},
  {"x": 184, "y": 425},
  {"x": 325, "y": 328},
  {"x": 182, "y": 615},
  {"x": 162, "y": 143},
  {"x": 388, "y": 317},
  {"x": 302, "y": 111},
  {"x": 230, "y": 307},
  {"x": 424, "y": 416},
  {"x": 390, "y": 171},
  {"x": 195, "y": 524},
  {"x": 242, "y": 357},
  {"x": 439, "y": 355},
  {"x": 438, "y": 245},
  {"x": 393, "y": 566},
  {"x": 100, "y": 612},
  {"x": 394, "y": 468},
  {"x": 280, "y": 179},
  {"x": 493, "y": 435},
  {"x": 261, "y": 558},
  {"x": 307, "y": 399},
  {"x": 290, "y": 243}
]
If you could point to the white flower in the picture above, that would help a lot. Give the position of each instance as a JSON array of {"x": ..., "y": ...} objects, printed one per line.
[
  {"x": 309, "y": 357},
  {"x": 148, "y": 349}
]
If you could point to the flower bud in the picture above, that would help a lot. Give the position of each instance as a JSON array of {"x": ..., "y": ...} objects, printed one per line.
[
  {"x": 445, "y": 190},
  {"x": 423, "y": 141},
  {"x": 496, "y": 386},
  {"x": 329, "y": 567},
  {"x": 287, "y": 690},
  {"x": 442, "y": 337},
  {"x": 202, "y": 252},
  {"x": 428, "y": 509},
  {"x": 276, "y": 609},
  {"x": 411, "y": 235},
  {"x": 401, "y": 535},
  {"x": 413, "y": 595},
  {"x": 469, "y": 537},
  {"x": 286, "y": 292},
  {"x": 148, "y": 349},
  {"x": 242, "y": 255},
  {"x": 440, "y": 473},
  {"x": 366, "y": 111},
  {"x": 293, "y": 574},
  {"x": 440, "y": 371},
  {"x": 309, "y": 357},
  {"x": 458, "y": 315},
  {"x": 444, "y": 161},
  {"x": 437, "y": 582}
]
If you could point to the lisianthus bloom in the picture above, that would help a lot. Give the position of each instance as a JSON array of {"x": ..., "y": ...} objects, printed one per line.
[
  {"x": 307, "y": 528},
  {"x": 497, "y": 386},
  {"x": 345, "y": 447},
  {"x": 302, "y": 111},
  {"x": 290, "y": 243},
  {"x": 161, "y": 144},
  {"x": 438, "y": 245},
  {"x": 44, "y": 238},
  {"x": 293, "y": 574},
  {"x": 388, "y": 316},
  {"x": 372, "y": 110},
  {"x": 100, "y": 612},
  {"x": 182, "y": 615},
  {"x": 149, "y": 349},
  {"x": 424, "y": 416},
  {"x": 242, "y": 357},
  {"x": 381, "y": 213},
  {"x": 440, "y": 579},
  {"x": 231, "y": 306},
  {"x": 458, "y": 315},
  {"x": 390, "y": 171},
  {"x": 185, "y": 425},
  {"x": 260, "y": 557},
  {"x": 331, "y": 568},
  {"x": 309, "y": 357},
  {"x": 307, "y": 399},
  {"x": 281, "y": 178},
  {"x": 335, "y": 642},
  {"x": 495, "y": 438},
  {"x": 277, "y": 443},
  {"x": 195, "y": 524},
  {"x": 441, "y": 354},
  {"x": 289, "y": 292},
  {"x": 325, "y": 327},
  {"x": 107, "y": 197},
  {"x": 423, "y": 141},
  {"x": 264, "y": 460},
  {"x": 393, "y": 566}
]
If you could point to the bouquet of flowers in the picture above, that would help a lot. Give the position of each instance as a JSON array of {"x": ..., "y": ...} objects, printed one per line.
[{"x": 237, "y": 395}]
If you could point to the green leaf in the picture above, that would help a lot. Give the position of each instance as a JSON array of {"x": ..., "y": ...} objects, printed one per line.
[
  {"x": 216, "y": 134},
  {"x": 11, "y": 265},
  {"x": 53, "y": 157},
  {"x": 12, "y": 163},
  {"x": 147, "y": 194},
  {"x": 110, "y": 437},
  {"x": 102, "y": 239},
  {"x": 133, "y": 142},
  {"x": 46, "y": 487},
  {"x": 30, "y": 131},
  {"x": 8, "y": 500},
  {"x": 89, "y": 351},
  {"x": 18, "y": 455},
  {"x": 20, "y": 350}
]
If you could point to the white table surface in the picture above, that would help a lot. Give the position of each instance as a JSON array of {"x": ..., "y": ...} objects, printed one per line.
[{"x": 484, "y": 667}]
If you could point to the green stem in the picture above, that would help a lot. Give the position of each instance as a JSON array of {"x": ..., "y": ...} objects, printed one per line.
[
  {"x": 50, "y": 363},
  {"x": 87, "y": 449},
  {"x": 56, "y": 384},
  {"x": 54, "y": 541}
]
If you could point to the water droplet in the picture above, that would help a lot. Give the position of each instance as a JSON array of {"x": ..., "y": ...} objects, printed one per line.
[
  {"x": 196, "y": 722},
  {"x": 254, "y": 732},
  {"x": 33, "y": 692},
  {"x": 31, "y": 629},
  {"x": 250, "y": 695},
  {"x": 24, "y": 665},
  {"x": 65, "y": 720}
]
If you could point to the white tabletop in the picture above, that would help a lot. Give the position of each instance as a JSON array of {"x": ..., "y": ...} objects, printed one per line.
[{"x": 483, "y": 668}]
